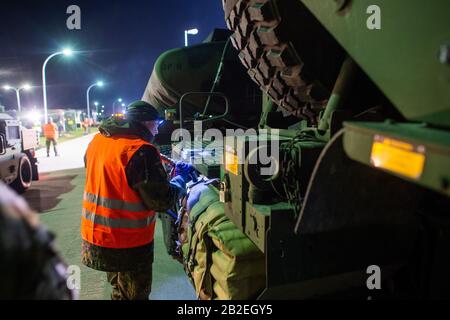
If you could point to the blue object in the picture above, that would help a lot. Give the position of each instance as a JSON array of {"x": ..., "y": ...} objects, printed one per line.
[
  {"x": 172, "y": 214},
  {"x": 184, "y": 170},
  {"x": 194, "y": 195},
  {"x": 179, "y": 182}
]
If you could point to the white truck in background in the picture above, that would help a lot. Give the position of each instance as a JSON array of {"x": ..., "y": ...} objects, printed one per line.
[{"x": 18, "y": 163}]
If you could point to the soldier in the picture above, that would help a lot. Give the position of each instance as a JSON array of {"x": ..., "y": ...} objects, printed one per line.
[
  {"x": 125, "y": 185},
  {"x": 30, "y": 267}
]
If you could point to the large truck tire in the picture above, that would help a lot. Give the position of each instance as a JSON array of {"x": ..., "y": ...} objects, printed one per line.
[
  {"x": 24, "y": 175},
  {"x": 286, "y": 51}
]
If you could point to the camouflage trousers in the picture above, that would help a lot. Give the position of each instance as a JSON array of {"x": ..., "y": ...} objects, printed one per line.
[{"x": 131, "y": 285}]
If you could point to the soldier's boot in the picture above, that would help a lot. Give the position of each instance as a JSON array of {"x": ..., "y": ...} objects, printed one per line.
[{"x": 131, "y": 285}]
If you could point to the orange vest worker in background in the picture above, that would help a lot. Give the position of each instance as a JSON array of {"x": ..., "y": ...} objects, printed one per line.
[{"x": 51, "y": 135}]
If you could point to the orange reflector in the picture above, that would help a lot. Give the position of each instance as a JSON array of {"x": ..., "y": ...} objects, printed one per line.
[
  {"x": 398, "y": 156},
  {"x": 231, "y": 162}
]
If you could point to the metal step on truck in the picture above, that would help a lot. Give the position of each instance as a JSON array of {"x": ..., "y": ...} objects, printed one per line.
[{"x": 18, "y": 162}]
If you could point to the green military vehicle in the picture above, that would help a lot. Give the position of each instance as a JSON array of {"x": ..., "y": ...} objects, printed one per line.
[{"x": 351, "y": 99}]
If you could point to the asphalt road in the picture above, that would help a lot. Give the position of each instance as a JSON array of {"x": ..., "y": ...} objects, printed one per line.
[
  {"x": 57, "y": 197},
  {"x": 71, "y": 155}
]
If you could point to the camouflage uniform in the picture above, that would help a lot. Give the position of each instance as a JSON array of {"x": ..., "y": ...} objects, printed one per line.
[
  {"x": 30, "y": 267},
  {"x": 131, "y": 285},
  {"x": 130, "y": 270}
]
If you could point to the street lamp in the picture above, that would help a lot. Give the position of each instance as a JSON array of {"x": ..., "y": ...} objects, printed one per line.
[
  {"x": 97, "y": 84},
  {"x": 24, "y": 87},
  {"x": 114, "y": 105},
  {"x": 97, "y": 109},
  {"x": 65, "y": 52},
  {"x": 187, "y": 32}
]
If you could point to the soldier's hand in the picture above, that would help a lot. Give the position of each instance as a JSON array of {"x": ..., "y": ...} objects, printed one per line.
[{"x": 184, "y": 170}]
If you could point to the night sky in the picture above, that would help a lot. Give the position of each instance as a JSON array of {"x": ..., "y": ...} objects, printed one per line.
[{"x": 120, "y": 41}]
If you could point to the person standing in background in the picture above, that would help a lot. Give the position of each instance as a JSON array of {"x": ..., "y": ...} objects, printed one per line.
[{"x": 51, "y": 136}]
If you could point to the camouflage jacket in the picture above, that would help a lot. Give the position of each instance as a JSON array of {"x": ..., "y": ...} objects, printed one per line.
[{"x": 145, "y": 174}]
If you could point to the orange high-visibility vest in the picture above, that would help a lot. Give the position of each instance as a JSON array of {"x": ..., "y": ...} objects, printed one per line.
[
  {"x": 50, "y": 131},
  {"x": 114, "y": 215}
]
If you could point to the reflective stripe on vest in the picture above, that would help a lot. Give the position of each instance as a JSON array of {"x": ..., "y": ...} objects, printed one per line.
[
  {"x": 118, "y": 223},
  {"x": 114, "y": 204}
]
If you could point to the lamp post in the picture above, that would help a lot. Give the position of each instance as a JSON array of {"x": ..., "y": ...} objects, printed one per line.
[
  {"x": 189, "y": 32},
  {"x": 114, "y": 105},
  {"x": 97, "y": 84},
  {"x": 96, "y": 104},
  {"x": 65, "y": 52},
  {"x": 17, "y": 90}
]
